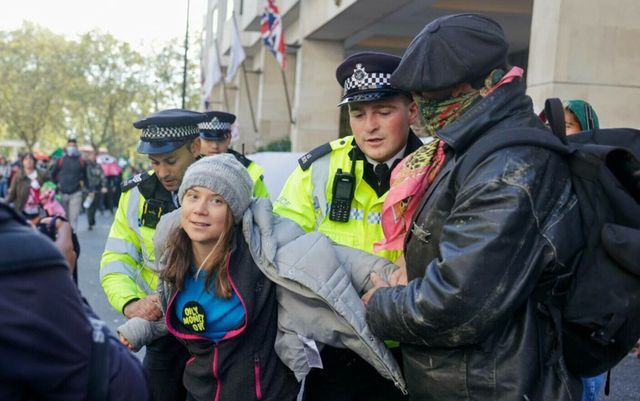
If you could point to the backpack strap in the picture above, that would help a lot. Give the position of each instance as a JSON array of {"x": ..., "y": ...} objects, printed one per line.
[{"x": 554, "y": 112}]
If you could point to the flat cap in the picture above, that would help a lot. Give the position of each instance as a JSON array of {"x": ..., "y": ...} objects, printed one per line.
[
  {"x": 167, "y": 130},
  {"x": 365, "y": 77},
  {"x": 451, "y": 50},
  {"x": 217, "y": 127}
]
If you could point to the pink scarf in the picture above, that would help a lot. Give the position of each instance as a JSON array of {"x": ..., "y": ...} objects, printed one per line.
[{"x": 411, "y": 179}]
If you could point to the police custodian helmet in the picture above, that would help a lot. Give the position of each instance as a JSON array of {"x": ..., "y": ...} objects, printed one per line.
[
  {"x": 167, "y": 130},
  {"x": 366, "y": 77}
]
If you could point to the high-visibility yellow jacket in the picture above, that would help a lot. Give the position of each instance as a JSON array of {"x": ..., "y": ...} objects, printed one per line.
[
  {"x": 127, "y": 261},
  {"x": 256, "y": 172},
  {"x": 306, "y": 198}
]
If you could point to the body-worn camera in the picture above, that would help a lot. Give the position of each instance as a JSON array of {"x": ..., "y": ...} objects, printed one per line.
[{"x": 151, "y": 213}]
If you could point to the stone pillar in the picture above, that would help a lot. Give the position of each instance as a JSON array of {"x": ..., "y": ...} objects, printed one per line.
[
  {"x": 316, "y": 94},
  {"x": 272, "y": 111},
  {"x": 242, "y": 109},
  {"x": 590, "y": 50}
]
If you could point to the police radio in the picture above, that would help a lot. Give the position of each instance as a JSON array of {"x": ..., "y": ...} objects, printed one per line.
[
  {"x": 343, "y": 188},
  {"x": 151, "y": 213}
]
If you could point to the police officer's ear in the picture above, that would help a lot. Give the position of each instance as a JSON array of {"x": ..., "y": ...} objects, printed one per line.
[{"x": 194, "y": 147}]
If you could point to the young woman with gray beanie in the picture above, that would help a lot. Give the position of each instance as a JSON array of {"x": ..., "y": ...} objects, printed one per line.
[
  {"x": 221, "y": 258},
  {"x": 218, "y": 302}
]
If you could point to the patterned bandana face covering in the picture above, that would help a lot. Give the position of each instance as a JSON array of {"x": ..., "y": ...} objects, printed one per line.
[
  {"x": 415, "y": 173},
  {"x": 438, "y": 113}
]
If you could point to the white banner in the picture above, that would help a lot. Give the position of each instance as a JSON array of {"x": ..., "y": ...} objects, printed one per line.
[{"x": 237, "y": 52}]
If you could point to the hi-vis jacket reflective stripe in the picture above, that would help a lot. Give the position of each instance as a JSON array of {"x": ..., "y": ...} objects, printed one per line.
[
  {"x": 306, "y": 199},
  {"x": 127, "y": 261},
  {"x": 256, "y": 173}
]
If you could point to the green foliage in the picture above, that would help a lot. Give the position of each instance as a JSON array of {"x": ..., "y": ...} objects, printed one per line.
[
  {"x": 281, "y": 145},
  {"x": 33, "y": 68},
  {"x": 94, "y": 87}
]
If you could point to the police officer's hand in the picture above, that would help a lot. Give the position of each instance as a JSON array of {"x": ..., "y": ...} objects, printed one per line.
[
  {"x": 378, "y": 282},
  {"x": 147, "y": 308}
]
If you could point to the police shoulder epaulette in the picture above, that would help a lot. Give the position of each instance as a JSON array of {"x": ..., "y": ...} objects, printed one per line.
[
  {"x": 241, "y": 158},
  {"x": 133, "y": 181},
  {"x": 307, "y": 159}
]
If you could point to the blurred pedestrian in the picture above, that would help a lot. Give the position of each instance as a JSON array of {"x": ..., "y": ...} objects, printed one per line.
[
  {"x": 579, "y": 116},
  {"x": 112, "y": 172},
  {"x": 5, "y": 172},
  {"x": 24, "y": 192},
  {"x": 70, "y": 175},
  {"x": 96, "y": 188}
]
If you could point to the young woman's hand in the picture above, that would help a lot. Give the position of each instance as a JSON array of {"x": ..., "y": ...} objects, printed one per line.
[{"x": 125, "y": 342}]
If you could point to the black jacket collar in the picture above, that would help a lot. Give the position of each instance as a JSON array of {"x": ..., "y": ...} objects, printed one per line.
[{"x": 506, "y": 107}]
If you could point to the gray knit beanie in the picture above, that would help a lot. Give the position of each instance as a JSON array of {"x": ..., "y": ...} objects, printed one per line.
[{"x": 224, "y": 175}]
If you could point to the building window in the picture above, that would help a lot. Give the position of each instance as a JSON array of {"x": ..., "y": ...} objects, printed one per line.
[{"x": 241, "y": 7}]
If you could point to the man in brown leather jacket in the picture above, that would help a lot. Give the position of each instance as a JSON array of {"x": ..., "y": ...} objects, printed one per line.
[{"x": 481, "y": 243}]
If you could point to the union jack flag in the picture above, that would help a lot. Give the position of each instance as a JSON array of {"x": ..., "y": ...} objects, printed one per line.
[{"x": 272, "y": 35}]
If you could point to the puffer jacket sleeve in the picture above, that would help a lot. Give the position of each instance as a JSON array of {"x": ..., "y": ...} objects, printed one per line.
[
  {"x": 492, "y": 252},
  {"x": 360, "y": 264}
]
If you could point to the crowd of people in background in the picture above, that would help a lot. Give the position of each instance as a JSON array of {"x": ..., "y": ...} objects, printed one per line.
[{"x": 78, "y": 181}]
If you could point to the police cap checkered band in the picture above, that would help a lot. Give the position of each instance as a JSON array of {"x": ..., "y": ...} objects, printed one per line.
[
  {"x": 374, "y": 80},
  {"x": 215, "y": 125},
  {"x": 366, "y": 76},
  {"x": 217, "y": 121},
  {"x": 154, "y": 133},
  {"x": 172, "y": 125}
]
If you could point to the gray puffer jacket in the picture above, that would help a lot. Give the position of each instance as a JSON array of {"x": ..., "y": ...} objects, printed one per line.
[{"x": 319, "y": 288}]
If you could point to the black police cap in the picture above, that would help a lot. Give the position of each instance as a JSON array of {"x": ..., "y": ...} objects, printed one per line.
[
  {"x": 218, "y": 125},
  {"x": 365, "y": 77},
  {"x": 451, "y": 50},
  {"x": 167, "y": 130}
]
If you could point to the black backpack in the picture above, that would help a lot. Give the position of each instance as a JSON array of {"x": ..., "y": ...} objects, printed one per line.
[{"x": 597, "y": 308}]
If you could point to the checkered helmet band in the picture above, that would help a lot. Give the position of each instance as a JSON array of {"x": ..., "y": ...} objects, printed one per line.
[
  {"x": 215, "y": 125},
  {"x": 375, "y": 80},
  {"x": 153, "y": 133}
]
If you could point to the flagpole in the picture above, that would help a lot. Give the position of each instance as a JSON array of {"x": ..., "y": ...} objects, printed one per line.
[
  {"x": 186, "y": 48},
  {"x": 286, "y": 95},
  {"x": 246, "y": 84},
  {"x": 224, "y": 85}
]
